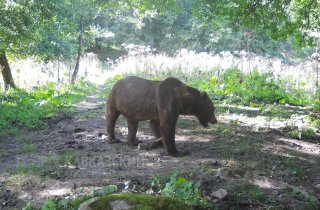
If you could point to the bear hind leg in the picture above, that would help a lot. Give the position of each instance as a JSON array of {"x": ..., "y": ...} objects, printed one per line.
[{"x": 112, "y": 117}]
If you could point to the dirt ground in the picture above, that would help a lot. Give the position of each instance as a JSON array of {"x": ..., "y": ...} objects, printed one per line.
[{"x": 246, "y": 154}]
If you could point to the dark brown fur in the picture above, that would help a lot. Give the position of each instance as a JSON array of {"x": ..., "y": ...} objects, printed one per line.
[{"x": 161, "y": 102}]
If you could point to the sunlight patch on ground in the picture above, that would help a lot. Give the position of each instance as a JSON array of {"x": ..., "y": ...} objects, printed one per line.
[
  {"x": 267, "y": 183},
  {"x": 55, "y": 192},
  {"x": 291, "y": 150},
  {"x": 302, "y": 146}
]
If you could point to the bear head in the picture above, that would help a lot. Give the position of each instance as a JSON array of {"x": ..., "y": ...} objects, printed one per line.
[{"x": 205, "y": 110}]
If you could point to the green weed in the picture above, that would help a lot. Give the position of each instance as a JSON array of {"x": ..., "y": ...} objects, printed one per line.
[
  {"x": 301, "y": 133},
  {"x": 182, "y": 189},
  {"x": 179, "y": 188},
  {"x": 106, "y": 190},
  {"x": 50, "y": 205}
]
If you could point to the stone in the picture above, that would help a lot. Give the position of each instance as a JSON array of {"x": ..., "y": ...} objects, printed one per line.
[
  {"x": 120, "y": 205},
  {"x": 86, "y": 205},
  {"x": 219, "y": 194}
]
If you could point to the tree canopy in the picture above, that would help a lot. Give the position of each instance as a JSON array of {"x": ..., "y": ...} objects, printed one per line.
[
  {"x": 276, "y": 18},
  {"x": 55, "y": 30}
]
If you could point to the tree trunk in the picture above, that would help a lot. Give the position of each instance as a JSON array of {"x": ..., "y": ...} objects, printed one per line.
[
  {"x": 317, "y": 77},
  {"x": 6, "y": 72},
  {"x": 76, "y": 69},
  {"x": 58, "y": 71}
]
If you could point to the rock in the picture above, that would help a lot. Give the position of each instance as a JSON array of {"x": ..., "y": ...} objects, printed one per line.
[
  {"x": 120, "y": 205},
  {"x": 86, "y": 205},
  {"x": 126, "y": 185},
  {"x": 79, "y": 130},
  {"x": 220, "y": 194}
]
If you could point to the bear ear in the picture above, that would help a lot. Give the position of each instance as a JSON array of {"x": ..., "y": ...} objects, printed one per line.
[{"x": 204, "y": 95}]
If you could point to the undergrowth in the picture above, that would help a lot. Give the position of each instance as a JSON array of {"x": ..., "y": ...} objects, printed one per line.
[
  {"x": 177, "y": 191},
  {"x": 21, "y": 109},
  {"x": 233, "y": 86}
]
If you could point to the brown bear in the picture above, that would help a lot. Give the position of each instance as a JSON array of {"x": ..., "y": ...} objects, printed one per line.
[{"x": 161, "y": 102}]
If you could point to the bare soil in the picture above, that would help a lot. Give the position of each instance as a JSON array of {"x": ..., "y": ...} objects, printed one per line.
[{"x": 259, "y": 166}]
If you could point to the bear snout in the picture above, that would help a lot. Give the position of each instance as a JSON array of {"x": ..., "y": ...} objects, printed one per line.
[{"x": 214, "y": 120}]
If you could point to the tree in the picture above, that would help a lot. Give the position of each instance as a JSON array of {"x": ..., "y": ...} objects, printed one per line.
[
  {"x": 19, "y": 30},
  {"x": 80, "y": 22},
  {"x": 276, "y": 18}
]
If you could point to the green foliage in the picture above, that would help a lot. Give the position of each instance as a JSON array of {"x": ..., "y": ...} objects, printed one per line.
[
  {"x": 248, "y": 89},
  {"x": 21, "y": 109},
  {"x": 106, "y": 190},
  {"x": 278, "y": 19},
  {"x": 316, "y": 105},
  {"x": 232, "y": 86},
  {"x": 182, "y": 189},
  {"x": 299, "y": 133},
  {"x": 49, "y": 205},
  {"x": 257, "y": 87}
]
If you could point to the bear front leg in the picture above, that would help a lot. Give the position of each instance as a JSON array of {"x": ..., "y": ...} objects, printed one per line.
[
  {"x": 168, "y": 131},
  {"x": 132, "y": 132},
  {"x": 111, "y": 118}
]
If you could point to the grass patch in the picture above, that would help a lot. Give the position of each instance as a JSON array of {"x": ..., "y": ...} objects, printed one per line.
[
  {"x": 21, "y": 109},
  {"x": 301, "y": 133},
  {"x": 53, "y": 165},
  {"x": 246, "y": 191},
  {"x": 27, "y": 148},
  {"x": 294, "y": 166},
  {"x": 257, "y": 194}
]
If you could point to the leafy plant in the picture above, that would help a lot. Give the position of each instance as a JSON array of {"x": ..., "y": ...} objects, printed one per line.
[
  {"x": 106, "y": 190},
  {"x": 182, "y": 189},
  {"x": 49, "y": 205},
  {"x": 299, "y": 133}
]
